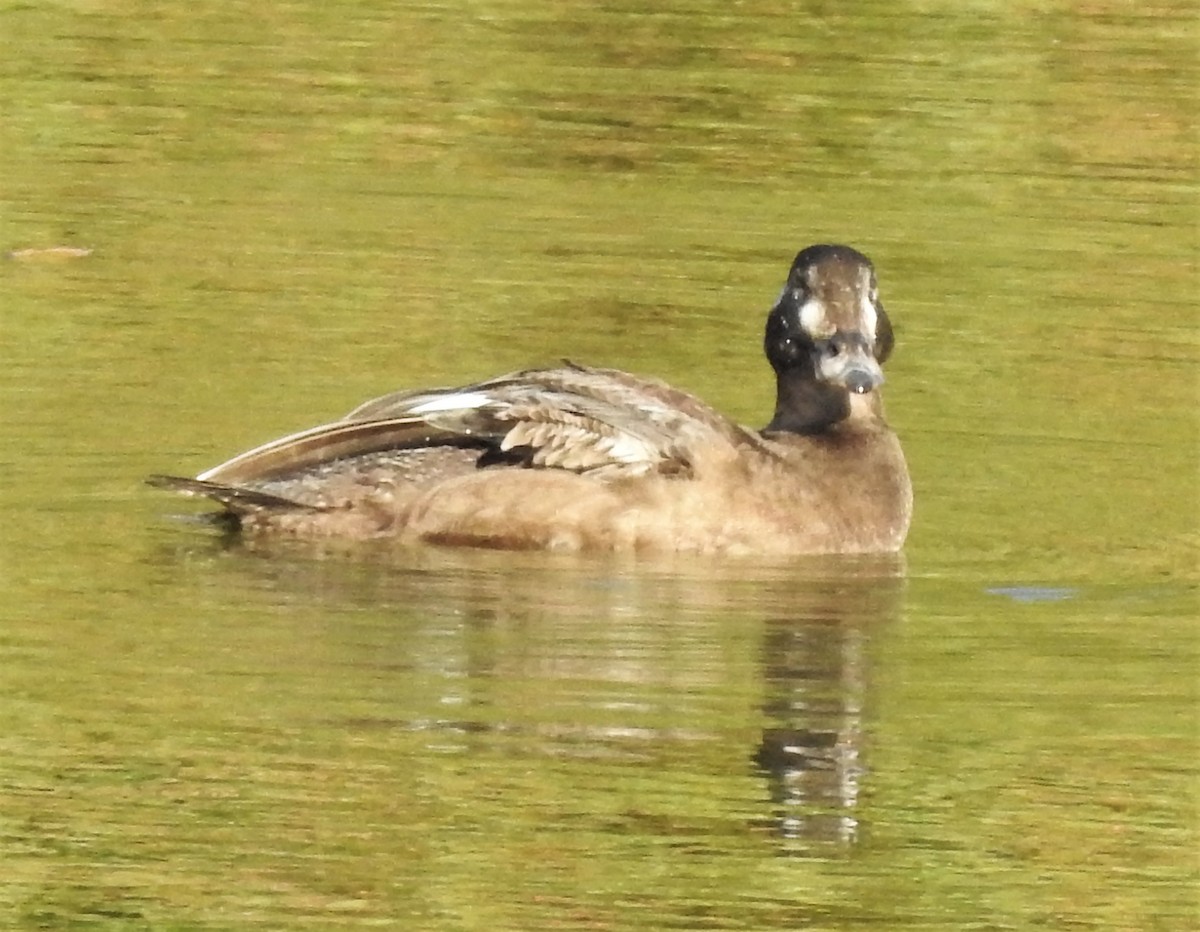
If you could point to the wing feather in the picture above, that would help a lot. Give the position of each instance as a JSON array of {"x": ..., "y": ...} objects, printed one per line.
[
  {"x": 317, "y": 445},
  {"x": 570, "y": 417}
]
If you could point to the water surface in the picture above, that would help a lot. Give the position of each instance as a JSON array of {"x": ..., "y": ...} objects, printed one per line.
[{"x": 287, "y": 210}]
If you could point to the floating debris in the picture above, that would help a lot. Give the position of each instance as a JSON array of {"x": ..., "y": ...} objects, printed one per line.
[
  {"x": 1034, "y": 593},
  {"x": 48, "y": 253}
]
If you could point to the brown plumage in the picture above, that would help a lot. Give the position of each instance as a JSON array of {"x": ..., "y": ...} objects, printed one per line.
[{"x": 580, "y": 458}]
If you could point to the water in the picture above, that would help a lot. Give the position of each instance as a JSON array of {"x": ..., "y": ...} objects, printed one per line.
[{"x": 291, "y": 209}]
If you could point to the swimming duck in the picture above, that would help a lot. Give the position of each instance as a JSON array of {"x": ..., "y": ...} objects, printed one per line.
[{"x": 581, "y": 458}]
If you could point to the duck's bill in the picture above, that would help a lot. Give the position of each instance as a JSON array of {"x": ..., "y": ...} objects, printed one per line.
[{"x": 857, "y": 372}]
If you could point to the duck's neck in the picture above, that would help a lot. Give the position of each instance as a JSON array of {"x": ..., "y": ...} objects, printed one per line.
[{"x": 806, "y": 406}]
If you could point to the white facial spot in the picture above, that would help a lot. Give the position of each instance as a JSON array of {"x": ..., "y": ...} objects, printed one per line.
[
  {"x": 870, "y": 317},
  {"x": 812, "y": 318},
  {"x": 455, "y": 401}
]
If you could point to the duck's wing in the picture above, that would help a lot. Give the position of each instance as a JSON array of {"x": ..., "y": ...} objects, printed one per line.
[
  {"x": 578, "y": 418},
  {"x": 570, "y": 417},
  {"x": 325, "y": 443}
]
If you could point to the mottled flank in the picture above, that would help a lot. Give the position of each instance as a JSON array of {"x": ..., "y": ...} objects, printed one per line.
[{"x": 579, "y": 458}]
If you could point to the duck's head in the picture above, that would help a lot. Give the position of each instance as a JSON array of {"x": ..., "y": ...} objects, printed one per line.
[{"x": 827, "y": 336}]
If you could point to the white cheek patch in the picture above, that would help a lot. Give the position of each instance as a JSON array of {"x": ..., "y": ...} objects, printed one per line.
[
  {"x": 812, "y": 318},
  {"x": 870, "y": 317},
  {"x": 456, "y": 401},
  {"x": 866, "y": 306}
]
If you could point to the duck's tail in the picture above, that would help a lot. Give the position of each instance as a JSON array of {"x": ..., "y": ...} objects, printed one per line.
[{"x": 239, "y": 501}]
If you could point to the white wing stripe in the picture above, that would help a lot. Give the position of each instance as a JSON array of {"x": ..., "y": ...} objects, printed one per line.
[{"x": 455, "y": 401}]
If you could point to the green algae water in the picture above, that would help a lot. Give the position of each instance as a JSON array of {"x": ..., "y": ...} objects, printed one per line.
[{"x": 223, "y": 222}]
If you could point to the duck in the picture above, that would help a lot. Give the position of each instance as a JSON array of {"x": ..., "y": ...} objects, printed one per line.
[{"x": 580, "y": 458}]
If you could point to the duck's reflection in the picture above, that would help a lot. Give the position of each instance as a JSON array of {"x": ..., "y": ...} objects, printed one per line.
[
  {"x": 814, "y": 673},
  {"x": 574, "y": 658}
]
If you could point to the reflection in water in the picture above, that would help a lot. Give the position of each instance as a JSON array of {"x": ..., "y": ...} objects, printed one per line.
[
  {"x": 581, "y": 657},
  {"x": 812, "y": 755},
  {"x": 814, "y": 665}
]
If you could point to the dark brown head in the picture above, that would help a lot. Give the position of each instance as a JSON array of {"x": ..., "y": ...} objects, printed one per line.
[{"x": 826, "y": 338}]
